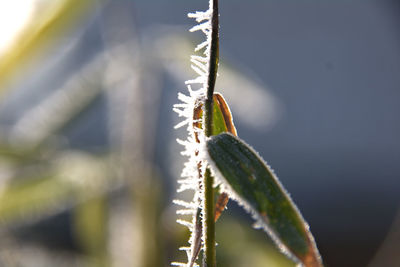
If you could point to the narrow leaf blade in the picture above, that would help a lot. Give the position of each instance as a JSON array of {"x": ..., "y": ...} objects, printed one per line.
[{"x": 255, "y": 186}]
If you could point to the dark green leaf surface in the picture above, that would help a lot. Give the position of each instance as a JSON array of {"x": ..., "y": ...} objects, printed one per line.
[{"x": 256, "y": 185}]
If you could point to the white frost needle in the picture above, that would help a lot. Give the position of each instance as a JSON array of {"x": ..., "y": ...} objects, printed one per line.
[
  {"x": 199, "y": 64},
  {"x": 201, "y": 46},
  {"x": 194, "y": 167},
  {"x": 198, "y": 70},
  {"x": 199, "y": 80}
]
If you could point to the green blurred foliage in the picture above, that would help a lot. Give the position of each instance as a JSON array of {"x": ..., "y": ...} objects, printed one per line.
[{"x": 50, "y": 21}]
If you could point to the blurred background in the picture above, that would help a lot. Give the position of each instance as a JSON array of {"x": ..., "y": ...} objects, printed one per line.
[{"x": 88, "y": 158}]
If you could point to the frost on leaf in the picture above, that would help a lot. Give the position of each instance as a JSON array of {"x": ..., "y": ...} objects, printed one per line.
[
  {"x": 252, "y": 183},
  {"x": 194, "y": 167}
]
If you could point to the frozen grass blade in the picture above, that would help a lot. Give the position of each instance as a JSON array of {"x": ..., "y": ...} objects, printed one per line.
[
  {"x": 196, "y": 174},
  {"x": 251, "y": 182}
]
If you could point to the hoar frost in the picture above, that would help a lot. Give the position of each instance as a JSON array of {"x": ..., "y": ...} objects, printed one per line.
[{"x": 194, "y": 168}]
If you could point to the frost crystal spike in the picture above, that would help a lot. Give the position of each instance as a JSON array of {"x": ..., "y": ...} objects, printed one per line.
[{"x": 193, "y": 170}]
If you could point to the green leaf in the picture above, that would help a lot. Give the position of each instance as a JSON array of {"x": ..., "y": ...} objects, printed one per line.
[
  {"x": 70, "y": 179},
  {"x": 90, "y": 227},
  {"x": 222, "y": 117},
  {"x": 219, "y": 125},
  {"x": 32, "y": 199},
  {"x": 17, "y": 154},
  {"x": 49, "y": 22},
  {"x": 255, "y": 186}
]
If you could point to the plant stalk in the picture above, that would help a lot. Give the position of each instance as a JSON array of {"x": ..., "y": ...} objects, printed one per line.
[
  {"x": 209, "y": 209},
  {"x": 212, "y": 68},
  {"x": 210, "y": 254}
]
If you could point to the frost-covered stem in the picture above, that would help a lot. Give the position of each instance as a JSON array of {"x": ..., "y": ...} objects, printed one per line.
[
  {"x": 209, "y": 209},
  {"x": 212, "y": 68}
]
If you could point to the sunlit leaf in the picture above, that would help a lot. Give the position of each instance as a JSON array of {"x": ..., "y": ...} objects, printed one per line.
[
  {"x": 52, "y": 20},
  {"x": 90, "y": 225},
  {"x": 255, "y": 186},
  {"x": 222, "y": 117},
  {"x": 72, "y": 178},
  {"x": 30, "y": 200},
  {"x": 19, "y": 154}
]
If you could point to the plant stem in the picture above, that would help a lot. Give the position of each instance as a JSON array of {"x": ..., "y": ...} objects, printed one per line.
[
  {"x": 208, "y": 220},
  {"x": 212, "y": 68},
  {"x": 210, "y": 255}
]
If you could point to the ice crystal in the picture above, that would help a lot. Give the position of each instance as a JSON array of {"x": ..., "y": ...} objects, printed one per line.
[{"x": 195, "y": 166}]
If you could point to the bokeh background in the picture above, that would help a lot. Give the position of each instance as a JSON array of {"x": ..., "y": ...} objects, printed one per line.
[{"x": 88, "y": 158}]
